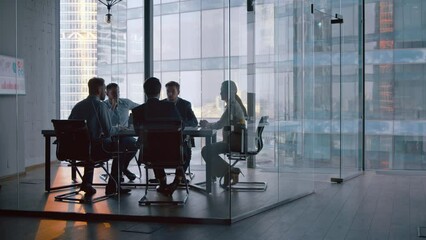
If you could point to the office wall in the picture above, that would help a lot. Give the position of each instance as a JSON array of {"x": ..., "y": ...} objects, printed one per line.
[{"x": 29, "y": 32}]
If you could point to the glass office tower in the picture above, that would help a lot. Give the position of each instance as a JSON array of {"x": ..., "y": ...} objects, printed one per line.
[
  {"x": 395, "y": 99},
  {"x": 78, "y": 53}
]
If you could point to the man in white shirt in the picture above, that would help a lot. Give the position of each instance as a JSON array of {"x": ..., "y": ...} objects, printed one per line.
[{"x": 118, "y": 109}]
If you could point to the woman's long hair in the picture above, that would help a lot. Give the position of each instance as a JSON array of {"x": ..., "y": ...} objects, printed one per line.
[
  {"x": 238, "y": 99},
  {"x": 233, "y": 89}
]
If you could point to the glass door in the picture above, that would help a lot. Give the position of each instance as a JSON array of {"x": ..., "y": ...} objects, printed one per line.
[
  {"x": 347, "y": 86},
  {"x": 320, "y": 104},
  {"x": 336, "y": 123}
]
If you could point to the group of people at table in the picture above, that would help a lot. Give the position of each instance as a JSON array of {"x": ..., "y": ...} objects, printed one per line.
[{"x": 105, "y": 118}]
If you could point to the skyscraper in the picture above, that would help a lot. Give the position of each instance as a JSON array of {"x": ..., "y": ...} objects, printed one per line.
[{"x": 78, "y": 53}]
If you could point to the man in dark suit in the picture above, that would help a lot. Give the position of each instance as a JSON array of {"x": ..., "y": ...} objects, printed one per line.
[
  {"x": 188, "y": 117},
  {"x": 153, "y": 110}
]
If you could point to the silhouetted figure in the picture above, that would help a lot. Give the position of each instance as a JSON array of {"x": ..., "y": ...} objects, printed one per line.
[
  {"x": 153, "y": 110},
  {"x": 188, "y": 117},
  {"x": 234, "y": 114},
  {"x": 95, "y": 112},
  {"x": 119, "y": 109}
]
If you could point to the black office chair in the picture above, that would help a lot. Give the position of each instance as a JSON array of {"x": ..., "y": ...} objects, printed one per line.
[
  {"x": 243, "y": 153},
  {"x": 189, "y": 142},
  {"x": 74, "y": 147},
  {"x": 104, "y": 176},
  {"x": 138, "y": 163},
  {"x": 162, "y": 147}
]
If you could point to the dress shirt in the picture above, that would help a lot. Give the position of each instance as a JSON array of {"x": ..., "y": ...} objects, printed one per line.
[
  {"x": 95, "y": 112},
  {"x": 120, "y": 115}
]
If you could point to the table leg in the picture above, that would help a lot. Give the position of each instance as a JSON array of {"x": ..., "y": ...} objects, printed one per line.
[
  {"x": 208, "y": 170},
  {"x": 47, "y": 163},
  {"x": 74, "y": 173},
  {"x": 207, "y": 185}
]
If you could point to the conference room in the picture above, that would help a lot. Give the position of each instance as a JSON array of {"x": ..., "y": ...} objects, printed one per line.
[{"x": 271, "y": 70}]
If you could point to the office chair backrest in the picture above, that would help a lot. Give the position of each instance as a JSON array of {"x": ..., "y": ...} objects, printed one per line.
[
  {"x": 162, "y": 144},
  {"x": 259, "y": 131},
  {"x": 73, "y": 140},
  {"x": 241, "y": 135},
  {"x": 237, "y": 138}
]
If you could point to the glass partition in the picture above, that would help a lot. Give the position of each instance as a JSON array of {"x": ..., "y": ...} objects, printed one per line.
[
  {"x": 395, "y": 85},
  {"x": 12, "y": 160},
  {"x": 337, "y": 91},
  {"x": 297, "y": 145},
  {"x": 296, "y": 77},
  {"x": 111, "y": 65},
  {"x": 325, "y": 95},
  {"x": 28, "y": 71},
  {"x": 276, "y": 84},
  {"x": 347, "y": 77}
]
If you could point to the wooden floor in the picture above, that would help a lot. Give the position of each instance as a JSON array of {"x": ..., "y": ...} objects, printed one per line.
[
  {"x": 27, "y": 193},
  {"x": 372, "y": 206}
]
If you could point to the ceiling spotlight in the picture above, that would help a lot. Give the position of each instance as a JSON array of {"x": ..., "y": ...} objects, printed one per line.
[{"x": 109, "y": 4}]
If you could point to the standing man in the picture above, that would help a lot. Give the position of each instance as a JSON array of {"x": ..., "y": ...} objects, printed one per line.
[
  {"x": 188, "y": 117},
  {"x": 95, "y": 112},
  {"x": 152, "y": 110},
  {"x": 119, "y": 109}
]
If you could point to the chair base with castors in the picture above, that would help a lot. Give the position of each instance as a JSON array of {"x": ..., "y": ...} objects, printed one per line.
[
  {"x": 242, "y": 155},
  {"x": 152, "y": 197},
  {"x": 162, "y": 148},
  {"x": 74, "y": 147}
]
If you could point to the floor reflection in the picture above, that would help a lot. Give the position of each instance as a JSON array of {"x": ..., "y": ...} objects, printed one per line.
[{"x": 283, "y": 184}]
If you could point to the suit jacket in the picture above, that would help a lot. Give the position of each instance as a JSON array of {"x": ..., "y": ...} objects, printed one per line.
[
  {"x": 185, "y": 110},
  {"x": 154, "y": 110}
]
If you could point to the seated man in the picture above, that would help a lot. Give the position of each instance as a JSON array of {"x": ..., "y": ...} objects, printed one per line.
[
  {"x": 119, "y": 108},
  {"x": 98, "y": 121},
  {"x": 150, "y": 111},
  {"x": 188, "y": 117}
]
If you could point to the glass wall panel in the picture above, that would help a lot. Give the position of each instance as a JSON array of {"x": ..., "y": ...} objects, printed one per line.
[
  {"x": 296, "y": 142},
  {"x": 314, "y": 111},
  {"x": 337, "y": 91},
  {"x": 123, "y": 42},
  {"x": 28, "y": 101},
  {"x": 170, "y": 37},
  {"x": 135, "y": 40},
  {"x": 190, "y": 35},
  {"x": 11, "y": 102},
  {"x": 292, "y": 69},
  {"x": 325, "y": 96},
  {"x": 395, "y": 86},
  {"x": 347, "y": 64},
  {"x": 212, "y": 30},
  {"x": 262, "y": 86},
  {"x": 113, "y": 43}
]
